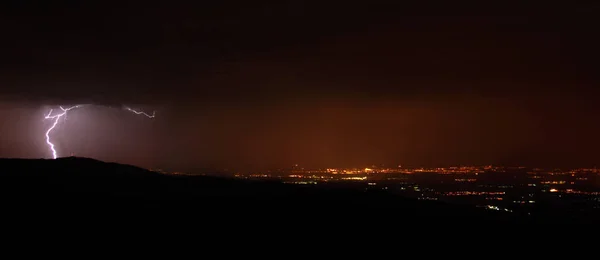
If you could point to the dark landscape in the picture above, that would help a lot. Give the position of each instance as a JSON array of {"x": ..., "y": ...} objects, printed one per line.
[{"x": 92, "y": 189}]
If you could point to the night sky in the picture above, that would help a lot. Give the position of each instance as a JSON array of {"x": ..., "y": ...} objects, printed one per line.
[{"x": 256, "y": 84}]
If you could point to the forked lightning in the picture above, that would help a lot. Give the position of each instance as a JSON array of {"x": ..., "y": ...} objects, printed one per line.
[{"x": 64, "y": 112}]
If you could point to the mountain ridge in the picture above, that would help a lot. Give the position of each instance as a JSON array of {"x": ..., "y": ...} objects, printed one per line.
[{"x": 74, "y": 185}]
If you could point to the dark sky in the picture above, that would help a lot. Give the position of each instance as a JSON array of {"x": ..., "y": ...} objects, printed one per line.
[{"x": 253, "y": 84}]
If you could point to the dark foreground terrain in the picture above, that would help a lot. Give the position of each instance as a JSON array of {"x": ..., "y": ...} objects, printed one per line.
[{"x": 75, "y": 192}]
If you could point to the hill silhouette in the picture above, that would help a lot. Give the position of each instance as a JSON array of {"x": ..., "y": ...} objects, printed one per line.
[
  {"x": 91, "y": 188},
  {"x": 97, "y": 203},
  {"x": 88, "y": 184}
]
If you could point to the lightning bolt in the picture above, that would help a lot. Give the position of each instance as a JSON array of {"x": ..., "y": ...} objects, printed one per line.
[
  {"x": 141, "y": 112},
  {"x": 64, "y": 112},
  {"x": 56, "y": 119}
]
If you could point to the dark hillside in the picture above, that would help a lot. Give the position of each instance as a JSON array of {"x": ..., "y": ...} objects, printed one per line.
[{"x": 70, "y": 186}]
